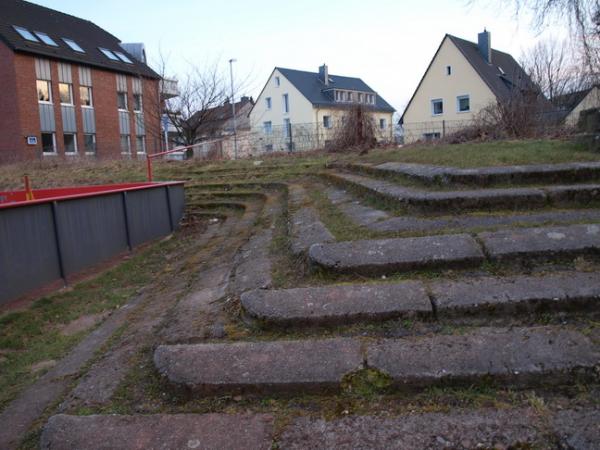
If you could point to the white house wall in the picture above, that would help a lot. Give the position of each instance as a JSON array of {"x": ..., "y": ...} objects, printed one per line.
[
  {"x": 464, "y": 80},
  {"x": 592, "y": 100}
]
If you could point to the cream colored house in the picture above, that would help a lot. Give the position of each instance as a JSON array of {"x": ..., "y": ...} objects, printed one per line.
[
  {"x": 572, "y": 104},
  {"x": 462, "y": 78},
  {"x": 299, "y": 110}
]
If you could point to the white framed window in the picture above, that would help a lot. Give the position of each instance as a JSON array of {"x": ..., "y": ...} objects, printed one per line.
[
  {"x": 110, "y": 55},
  {"x": 89, "y": 141},
  {"x": 140, "y": 144},
  {"x": 85, "y": 96},
  {"x": 286, "y": 103},
  {"x": 49, "y": 143},
  {"x": 123, "y": 57},
  {"x": 268, "y": 127},
  {"x": 432, "y": 136},
  {"x": 326, "y": 121},
  {"x": 125, "y": 144},
  {"x": 360, "y": 98},
  {"x": 26, "y": 34},
  {"x": 437, "y": 107},
  {"x": 348, "y": 96},
  {"x": 70, "y": 143},
  {"x": 65, "y": 91},
  {"x": 338, "y": 96},
  {"x": 448, "y": 70},
  {"x": 286, "y": 128},
  {"x": 382, "y": 124},
  {"x": 122, "y": 101},
  {"x": 268, "y": 102},
  {"x": 463, "y": 103},
  {"x": 44, "y": 91},
  {"x": 73, "y": 45},
  {"x": 277, "y": 81},
  {"x": 46, "y": 39},
  {"x": 137, "y": 102}
]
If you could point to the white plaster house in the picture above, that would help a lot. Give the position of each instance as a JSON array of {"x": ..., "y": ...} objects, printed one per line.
[
  {"x": 311, "y": 105},
  {"x": 572, "y": 104},
  {"x": 462, "y": 78}
]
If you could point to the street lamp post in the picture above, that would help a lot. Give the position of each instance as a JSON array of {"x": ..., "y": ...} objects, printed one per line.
[{"x": 235, "y": 149}]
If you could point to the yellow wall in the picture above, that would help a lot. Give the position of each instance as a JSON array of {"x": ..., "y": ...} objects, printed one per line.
[
  {"x": 592, "y": 100},
  {"x": 464, "y": 80}
]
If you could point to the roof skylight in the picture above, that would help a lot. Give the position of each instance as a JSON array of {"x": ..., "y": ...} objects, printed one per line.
[
  {"x": 123, "y": 57},
  {"x": 26, "y": 34},
  {"x": 73, "y": 45},
  {"x": 45, "y": 39},
  {"x": 110, "y": 55}
]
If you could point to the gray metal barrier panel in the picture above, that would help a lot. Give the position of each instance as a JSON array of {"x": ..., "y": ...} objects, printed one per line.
[{"x": 43, "y": 242}]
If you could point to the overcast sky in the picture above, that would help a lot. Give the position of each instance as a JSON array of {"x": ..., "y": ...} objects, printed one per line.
[{"x": 387, "y": 43}]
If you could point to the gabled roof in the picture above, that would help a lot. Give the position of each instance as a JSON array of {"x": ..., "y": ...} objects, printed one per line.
[
  {"x": 502, "y": 76},
  {"x": 58, "y": 25},
  {"x": 569, "y": 101},
  {"x": 311, "y": 87}
]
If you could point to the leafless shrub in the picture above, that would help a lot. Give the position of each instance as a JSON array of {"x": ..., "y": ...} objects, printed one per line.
[{"x": 357, "y": 131}]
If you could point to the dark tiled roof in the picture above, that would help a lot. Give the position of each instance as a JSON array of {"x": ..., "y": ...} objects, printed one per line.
[
  {"x": 569, "y": 101},
  {"x": 309, "y": 85},
  {"x": 59, "y": 25}
]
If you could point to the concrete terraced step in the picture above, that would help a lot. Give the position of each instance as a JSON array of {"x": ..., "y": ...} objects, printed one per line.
[
  {"x": 384, "y": 256},
  {"x": 513, "y": 357},
  {"x": 469, "y": 200},
  {"x": 306, "y": 229},
  {"x": 485, "y": 176},
  {"x": 380, "y": 221},
  {"x": 345, "y": 304},
  {"x": 575, "y": 429}
]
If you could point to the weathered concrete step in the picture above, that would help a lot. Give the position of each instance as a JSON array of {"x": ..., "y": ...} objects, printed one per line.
[
  {"x": 462, "y": 430},
  {"x": 374, "y": 257},
  {"x": 216, "y": 205},
  {"x": 384, "y": 256},
  {"x": 336, "y": 304},
  {"x": 515, "y": 357},
  {"x": 485, "y": 176},
  {"x": 306, "y": 229},
  {"x": 490, "y": 295},
  {"x": 469, "y": 200},
  {"x": 177, "y": 431},
  {"x": 346, "y": 304},
  {"x": 260, "y": 366}
]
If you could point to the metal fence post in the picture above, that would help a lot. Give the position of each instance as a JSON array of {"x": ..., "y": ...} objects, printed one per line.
[
  {"x": 168, "y": 192},
  {"x": 61, "y": 266},
  {"x": 126, "y": 215}
]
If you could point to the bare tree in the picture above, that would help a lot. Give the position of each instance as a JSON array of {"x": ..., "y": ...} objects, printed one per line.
[
  {"x": 357, "y": 131},
  {"x": 551, "y": 68}
]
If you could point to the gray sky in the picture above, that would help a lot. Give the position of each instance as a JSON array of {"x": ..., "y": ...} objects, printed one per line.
[{"x": 387, "y": 43}]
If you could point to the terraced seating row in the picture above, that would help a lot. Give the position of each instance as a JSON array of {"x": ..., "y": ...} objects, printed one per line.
[
  {"x": 469, "y": 200},
  {"x": 485, "y": 176}
]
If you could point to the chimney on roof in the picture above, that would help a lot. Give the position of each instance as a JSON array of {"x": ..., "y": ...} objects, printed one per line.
[
  {"x": 484, "y": 41},
  {"x": 324, "y": 74}
]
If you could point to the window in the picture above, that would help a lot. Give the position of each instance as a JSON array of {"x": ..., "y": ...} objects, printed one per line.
[
  {"x": 382, "y": 124},
  {"x": 348, "y": 96},
  {"x": 66, "y": 93},
  {"x": 286, "y": 103},
  {"x": 89, "y": 141},
  {"x": 448, "y": 70},
  {"x": 137, "y": 102},
  {"x": 110, "y": 55},
  {"x": 431, "y": 136},
  {"x": 122, "y": 100},
  {"x": 437, "y": 107},
  {"x": 360, "y": 97},
  {"x": 327, "y": 121},
  {"x": 85, "y": 95},
  {"x": 123, "y": 57},
  {"x": 125, "y": 144},
  {"x": 268, "y": 102},
  {"x": 463, "y": 103},
  {"x": 277, "y": 81},
  {"x": 44, "y": 91},
  {"x": 268, "y": 127},
  {"x": 73, "y": 45},
  {"x": 48, "y": 143},
  {"x": 26, "y": 34},
  {"x": 70, "y": 142},
  {"x": 140, "y": 144},
  {"x": 286, "y": 128},
  {"x": 338, "y": 96},
  {"x": 46, "y": 39}
]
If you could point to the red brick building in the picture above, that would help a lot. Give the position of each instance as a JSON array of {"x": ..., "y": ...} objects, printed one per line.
[{"x": 69, "y": 88}]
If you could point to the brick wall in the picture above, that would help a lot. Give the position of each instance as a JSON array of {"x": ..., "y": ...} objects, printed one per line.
[{"x": 19, "y": 110}]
